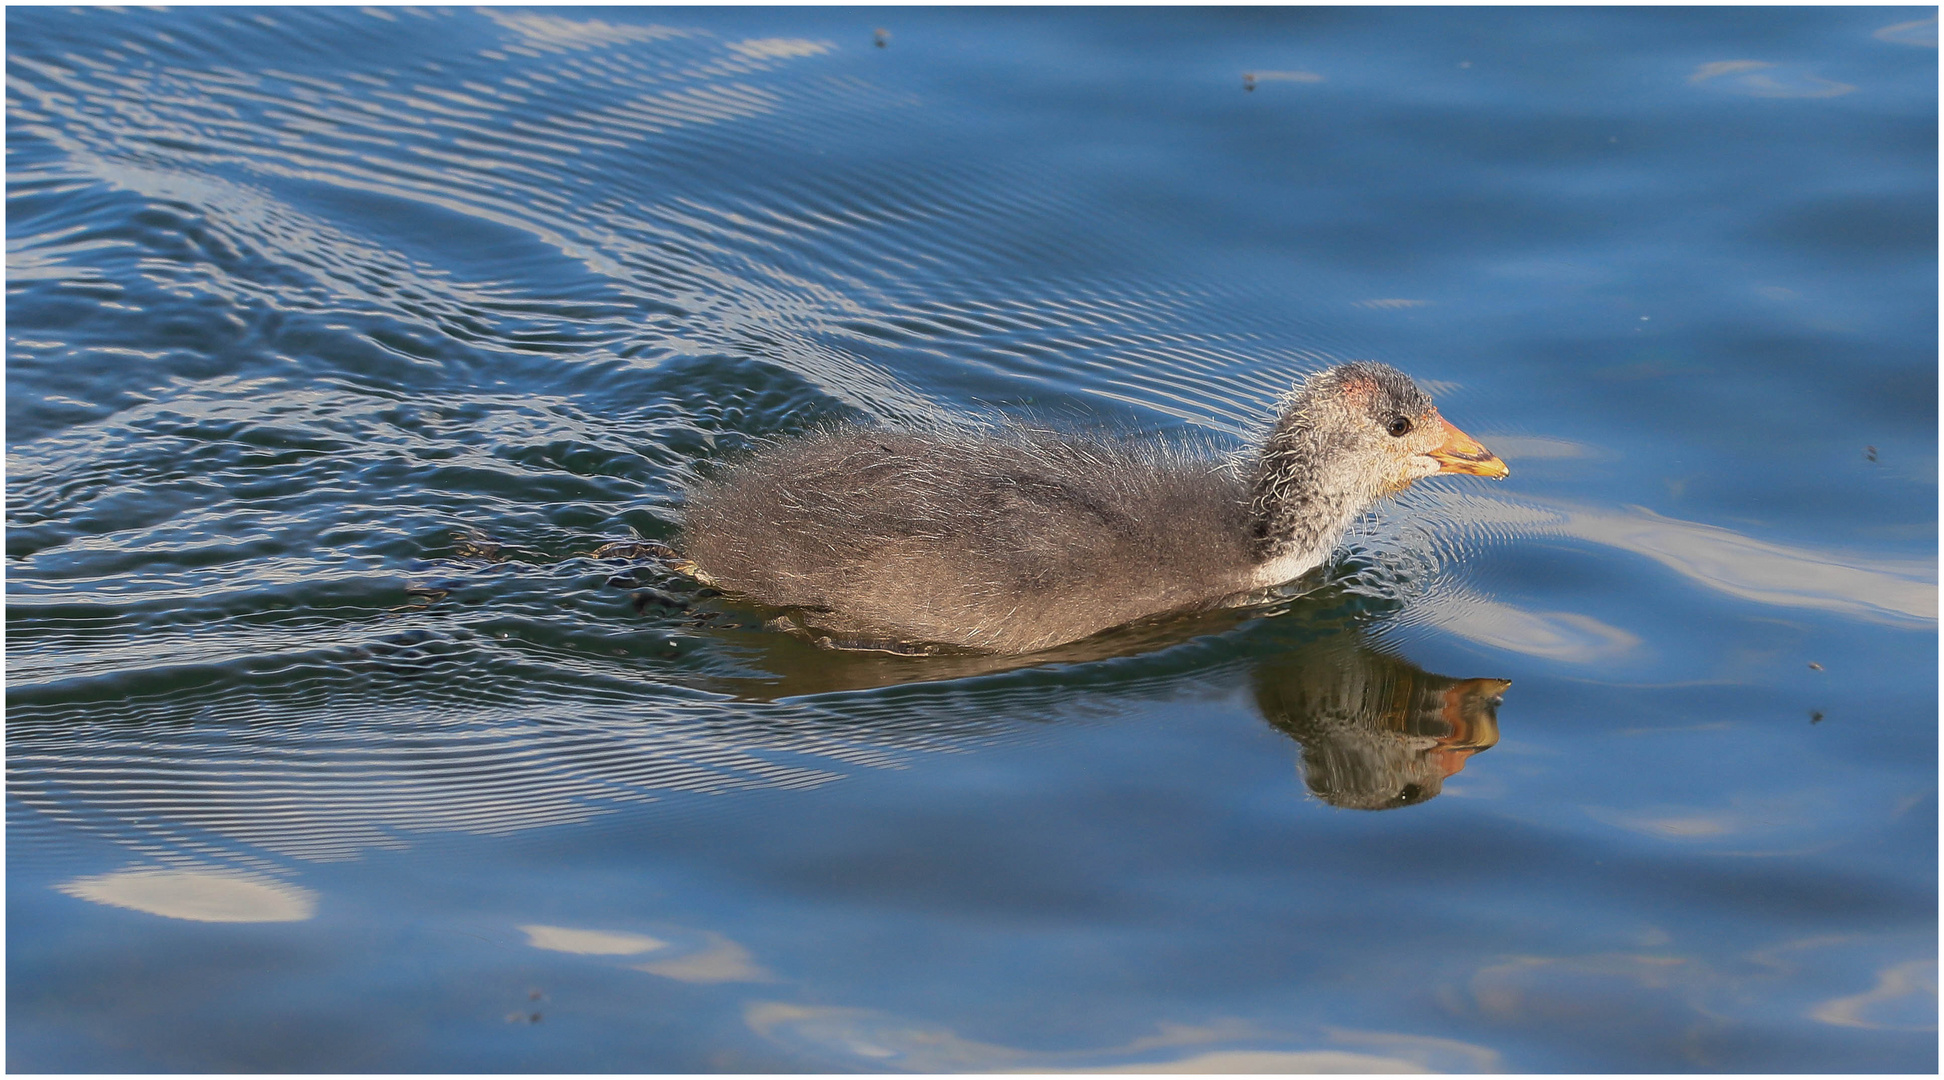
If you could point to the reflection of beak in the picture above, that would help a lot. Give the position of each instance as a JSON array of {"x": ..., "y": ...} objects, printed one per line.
[
  {"x": 1460, "y": 453},
  {"x": 1469, "y": 713}
]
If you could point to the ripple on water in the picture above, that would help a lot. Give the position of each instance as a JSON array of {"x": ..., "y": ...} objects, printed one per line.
[
  {"x": 332, "y": 373},
  {"x": 689, "y": 322}
]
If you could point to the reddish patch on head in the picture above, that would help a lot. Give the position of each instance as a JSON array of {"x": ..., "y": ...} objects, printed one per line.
[{"x": 1356, "y": 390}]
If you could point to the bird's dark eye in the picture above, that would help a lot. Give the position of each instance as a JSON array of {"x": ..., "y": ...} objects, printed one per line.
[{"x": 1399, "y": 427}]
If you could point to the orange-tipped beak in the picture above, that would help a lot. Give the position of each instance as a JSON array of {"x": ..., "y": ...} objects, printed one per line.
[
  {"x": 1469, "y": 713},
  {"x": 1460, "y": 453}
]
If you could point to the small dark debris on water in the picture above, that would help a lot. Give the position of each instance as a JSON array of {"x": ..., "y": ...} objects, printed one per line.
[
  {"x": 1870, "y": 452},
  {"x": 523, "y": 1016},
  {"x": 881, "y": 37},
  {"x": 1813, "y": 666},
  {"x": 1815, "y": 716},
  {"x": 1248, "y": 80}
]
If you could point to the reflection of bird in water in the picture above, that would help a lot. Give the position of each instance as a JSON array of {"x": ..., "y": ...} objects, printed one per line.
[
  {"x": 1018, "y": 541},
  {"x": 1377, "y": 732}
]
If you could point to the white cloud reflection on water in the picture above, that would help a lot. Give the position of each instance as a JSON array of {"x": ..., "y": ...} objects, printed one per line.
[
  {"x": 779, "y": 48},
  {"x": 590, "y": 942},
  {"x": 1894, "y": 592},
  {"x": 706, "y": 957},
  {"x": 1283, "y": 76},
  {"x": 1904, "y": 999},
  {"x": 1921, "y": 33},
  {"x": 720, "y": 960},
  {"x": 196, "y": 895},
  {"x": 1879, "y": 590},
  {"x": 1257, "y": 1062},
  {"x": 1692, "y": 1005},
  {"x": 1775, "y": 825},
  {"x": 869, "y": 1039},
  {"x": 1554, "y": 635},
  {"x": 1761, "y": 78},
  {"x": 553, "y": 33}
]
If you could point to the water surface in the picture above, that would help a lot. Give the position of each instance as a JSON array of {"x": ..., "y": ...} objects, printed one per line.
[{"x": 339, "y": 339}]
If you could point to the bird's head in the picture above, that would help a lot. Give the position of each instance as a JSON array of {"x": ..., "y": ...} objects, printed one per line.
[
  {"x": 1348, "y": 436},
  {"x": 1385, "y": 428}
]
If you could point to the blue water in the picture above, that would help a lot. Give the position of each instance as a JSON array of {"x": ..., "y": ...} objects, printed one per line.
[{"x": 338, "y": 339}]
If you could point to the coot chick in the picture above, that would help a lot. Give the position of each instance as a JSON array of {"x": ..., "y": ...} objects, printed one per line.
[{"x": 1019, "y": 540}]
